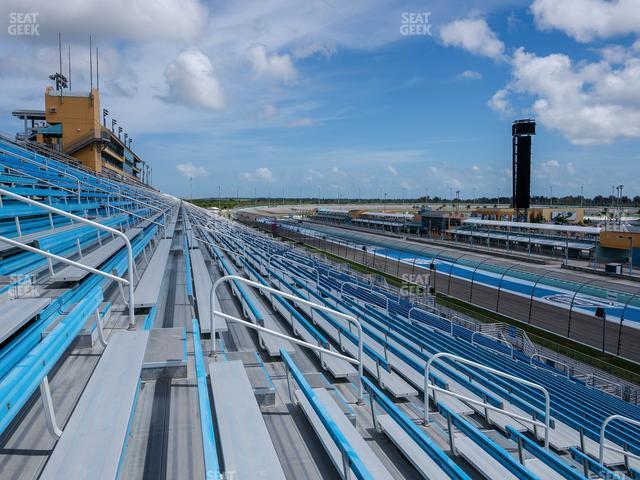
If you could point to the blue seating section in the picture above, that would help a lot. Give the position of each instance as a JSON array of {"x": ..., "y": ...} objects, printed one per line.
[{"x": 388, "y": 324}]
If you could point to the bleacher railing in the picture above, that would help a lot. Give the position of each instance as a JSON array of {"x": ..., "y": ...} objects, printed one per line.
[
  {"x": 429, "y": 386},
  {"x": 129, "y": 283},
  {"x": 607, "y": 421},
  {"x": 22, "y": 158},
  {"x": 296, "y": 299}
]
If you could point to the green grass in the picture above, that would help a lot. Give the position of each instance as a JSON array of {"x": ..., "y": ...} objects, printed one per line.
[{"x": 610, "y": 363}]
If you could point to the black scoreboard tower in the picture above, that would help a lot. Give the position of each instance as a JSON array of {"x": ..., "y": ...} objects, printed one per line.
[{"x": 521, "y": 132}]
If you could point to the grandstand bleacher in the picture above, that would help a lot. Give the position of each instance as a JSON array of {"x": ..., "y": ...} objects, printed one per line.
[{"x": 310, "y": 371}]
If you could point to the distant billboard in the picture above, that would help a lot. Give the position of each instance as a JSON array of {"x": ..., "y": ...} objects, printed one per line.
[{"x": 569, "y": 215}]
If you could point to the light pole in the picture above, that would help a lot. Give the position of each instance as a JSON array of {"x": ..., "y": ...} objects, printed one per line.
[{"x": 219, "y": 204}]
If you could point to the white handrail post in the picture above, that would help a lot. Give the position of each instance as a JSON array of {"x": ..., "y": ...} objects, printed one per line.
[
  {"x": 602, "y": 432},
  {"x": 428, "y": 386},
  {"x": 49, "y": 412},
  {"x": 132, "y": 321},
  {"x": 228, "y": 278}
]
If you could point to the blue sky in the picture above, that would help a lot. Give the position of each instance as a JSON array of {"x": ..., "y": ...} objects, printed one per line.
[{"x": 329, "y": 98}]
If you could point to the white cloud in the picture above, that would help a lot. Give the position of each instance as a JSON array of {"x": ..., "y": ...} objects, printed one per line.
[
  {"x": 571, "y": 168},
  {"x": 445, "y": 177},
  {"x": 500, "y": 102},
  {"x": 589, "y": 103},
  {"x": 473, "y": 35},
  {"x": 274, "y": 65},
  {"x": 392, "y": 170},
  {"x": 475, "y": 168},
  {"x": 550, "y": 164},
  {"x": 190, "y": 170},
  {"x": 470, "y": 75},
  {"x": 116, "y": 19},
  {"x": 192, "y": 81},
  {"x": 585, "y": 20},
  {"x": 269, "y": 111},
  {"x": 303, "y": 122},
  {"x": 313, "y": 175},
  {"x": 260, "y": 174}
]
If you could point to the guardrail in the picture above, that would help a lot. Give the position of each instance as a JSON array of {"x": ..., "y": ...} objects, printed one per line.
[
  {"x": 607, "y": 421},
  {"x": 295, "y": 262},
  {"x": 496, "y": 339},
  {"x": 22, "y": 158},
  {"x": 344, "y": 282},
  {"x": 259, "y": 286},
  {"x": 429, "y": 386},
  {"x": 541, "y": 357},
  {"x": 113, "y": 231}
]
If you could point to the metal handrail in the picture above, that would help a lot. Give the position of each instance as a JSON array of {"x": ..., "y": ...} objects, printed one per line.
[
  {"x": 358, "y": 286},
  {"x": 113, "y": 231},
  {"x": 492, "y": 338},
  {"x": 53, "y": 256},
  {"x": 438, "y": 315},
  {"x": 35, "y": 162},
  {"x": 429, "y": 386},
  {"x": 94, "y": 186},
  {"x": 139, "y": 216},
  {"x": 259, "y": 286},
  {"x": 606, "y": 422},
  {"x": 297, "y": 263},
  {"x": 556, "y": 362}
]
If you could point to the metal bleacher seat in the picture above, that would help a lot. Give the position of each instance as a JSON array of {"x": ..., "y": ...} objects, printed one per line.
[
  {"x": 202, "y": 285},
  {"x": 246, "y": 446},
  {"x": 33, "y": 237},
  {"x": 92, "y": 441},
  {"x": 17, "y": 312},
  {"x": 148, "y": 289},
  {"x": 94, "y": 259},
  {"x": 359, "y": 445}
]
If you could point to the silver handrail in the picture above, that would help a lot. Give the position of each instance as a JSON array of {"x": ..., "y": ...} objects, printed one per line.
[
  {"x": 429, "y": 386},
  {"x": 296, "y": 299},
  {"x": 606, "y": 422},
  {"x": 344, "y": 282},
  {"x": 132, "y": 320},
  {"x": 473, "y": 335},
  {"x": 45, "y": 166},
  {"x": 94, "y": 186},
  {"x": 286, "y": 337},
  {"x": 556, "y": 362},
  {"x": 58, "y": 258},
  {"x": 297, "y": 263},
  {"x": 438, "y": 315}
]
